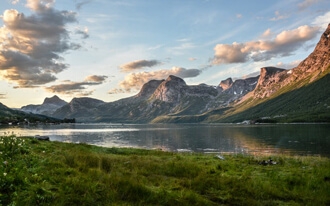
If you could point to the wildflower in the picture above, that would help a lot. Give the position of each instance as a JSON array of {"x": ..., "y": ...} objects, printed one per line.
[
  {"x": 5, "y": 162},
  {"x": 4, "y": 174}
]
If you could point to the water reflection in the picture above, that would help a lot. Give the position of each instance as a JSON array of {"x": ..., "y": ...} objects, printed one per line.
[{"x": 307, "y": 139}]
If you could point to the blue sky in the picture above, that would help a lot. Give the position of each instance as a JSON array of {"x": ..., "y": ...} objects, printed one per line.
[{"x": 108, "y": 49}]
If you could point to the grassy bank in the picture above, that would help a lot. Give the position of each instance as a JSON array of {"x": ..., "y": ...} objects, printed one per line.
[{"x": 33, "y": 172}]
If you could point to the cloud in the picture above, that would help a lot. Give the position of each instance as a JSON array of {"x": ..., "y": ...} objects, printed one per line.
[
  {"x": 95, "y": 78},
  {"x": 278, "y": 16},
  {"x": 77, "y": 88},
  {"x": 185, "y": 44},
  {"x": 239, "y": 16},
  {"x": 138, "y": 65},
  {"x": 306, "y": 3},
  {"x": 135, "y": 81},
  {"x": 266, "y": 34},
  {"x": 2, "y": 96},
  {"x": 284, "y": 44},
  {"x": 31, "y": 46},
  {"x": 80, "y": 4},
  {"x": 322, "y": 21},
  {"x": 82, "y": 32},
  {"x": 289, "y": 65},
  {"x": 14, "y": 1}
]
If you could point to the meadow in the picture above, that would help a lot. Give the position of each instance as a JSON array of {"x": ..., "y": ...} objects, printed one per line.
[{"x": 34, "y": 172}]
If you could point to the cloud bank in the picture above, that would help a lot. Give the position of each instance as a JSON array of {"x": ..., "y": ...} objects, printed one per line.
[
  {"x": 131, "y": 66},
  {"x": 77, "y": 88},
  {"x": 284, "y": 44},
  {"x": 135, "y": 81},
  {"x": 31, "y": 46}
]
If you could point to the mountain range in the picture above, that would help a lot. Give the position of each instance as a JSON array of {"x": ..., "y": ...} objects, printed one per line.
[{"x": 300, "y": 94}]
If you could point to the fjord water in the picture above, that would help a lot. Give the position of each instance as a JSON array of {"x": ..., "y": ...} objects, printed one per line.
[{"x": 295, "y": 139}]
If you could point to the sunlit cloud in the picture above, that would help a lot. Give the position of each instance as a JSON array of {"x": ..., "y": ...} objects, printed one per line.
[
  {"x": 289, "y": 65},
  {"x": 135, "y": 65},
  {"x": 266, "y": 33},
  {"x": 284, "y": 44},
  {"x": 83, "y": 32},
  {"x": 134, "y": 81},
  {"x": 77, "y": 88},
  {"x": 2, "y": 96},
  {"x": 31, "y": 46},
  {"x": 279, "y": 16},
  {"x": 14, "y": 1},
  {"x": 322, "y": 21}
]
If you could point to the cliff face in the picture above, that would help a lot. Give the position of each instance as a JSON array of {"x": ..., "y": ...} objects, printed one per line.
[
  {"x": 149, "y": 88},
  {"x": 272, "y": 79},
  {"x": 269, "y": 81},
  {"x": 317, "y": 62},
  {"x": 225, "y": 84},
  {"x": 170, "y": 90},
  {"x": 242, "y": 86}
]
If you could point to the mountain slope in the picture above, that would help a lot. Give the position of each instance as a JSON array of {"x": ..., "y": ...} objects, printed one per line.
[
  {"x": 11, "y": 116},
  {"x": 172, "y": 97},
  {"x": 48, "y": 107},
  {"x": 298, "y": 95},
  {"x": 79, "y": 108}
]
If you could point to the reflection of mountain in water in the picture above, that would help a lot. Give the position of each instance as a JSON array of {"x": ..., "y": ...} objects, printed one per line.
[
  {"x": 304, "y": 139},
  {"x": 296, "y": 139}
]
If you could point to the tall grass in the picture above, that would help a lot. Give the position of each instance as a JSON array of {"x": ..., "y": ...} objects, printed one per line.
[{"x": 53, "y": 173}]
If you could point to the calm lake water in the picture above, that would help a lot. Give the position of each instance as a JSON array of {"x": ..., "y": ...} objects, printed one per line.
[{"x": 295, "y": 139}]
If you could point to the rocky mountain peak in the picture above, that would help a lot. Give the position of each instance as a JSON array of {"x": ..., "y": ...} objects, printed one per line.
[
  {"x": 54, "y": 100},
  {"x": 242, "y": 86},
  {"x": 149, "y": 88},
  {"x": 170, "y": 89},
  {"x": 318, "y": 61},
  {"x": 86, "y": 101},
  {"x": 269, "y": 80},
  {"x": 225, "y": 84},
  {"x": 49, "y": 106}
]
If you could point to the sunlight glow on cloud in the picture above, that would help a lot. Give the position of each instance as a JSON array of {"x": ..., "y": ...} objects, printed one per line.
[
  {"x": 77, "y": 88},
  {"x": 131, "y": 66},
  {"x": 2, "y": 96},
  {"x": 30, "y": 46},
  {"x": 284, "y": 44},
  {"x": 278, "y": 16},
  {"x": 134, "y": 81}
]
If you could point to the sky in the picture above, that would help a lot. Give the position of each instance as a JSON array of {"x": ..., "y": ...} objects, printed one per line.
[{"x": 107, "y": 49}]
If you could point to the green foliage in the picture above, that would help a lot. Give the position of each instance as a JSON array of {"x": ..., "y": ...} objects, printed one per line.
[{"x": 53, "y": 173}]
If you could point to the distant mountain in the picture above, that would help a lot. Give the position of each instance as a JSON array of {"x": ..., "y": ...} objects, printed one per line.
[
  {"x": 171, "y": 97},
  {"x": 83, "y": 108},
  {"x": 11, "y": 116},
  {"x": 48, "y": 107}
]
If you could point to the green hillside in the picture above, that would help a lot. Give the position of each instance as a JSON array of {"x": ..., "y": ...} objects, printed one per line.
[
  {"x": 8, "y": 115},
  {"x": 309, "y": 103}
]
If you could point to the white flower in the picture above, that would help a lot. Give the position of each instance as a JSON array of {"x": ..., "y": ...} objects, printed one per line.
[{"x": 4, "y": 174}]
